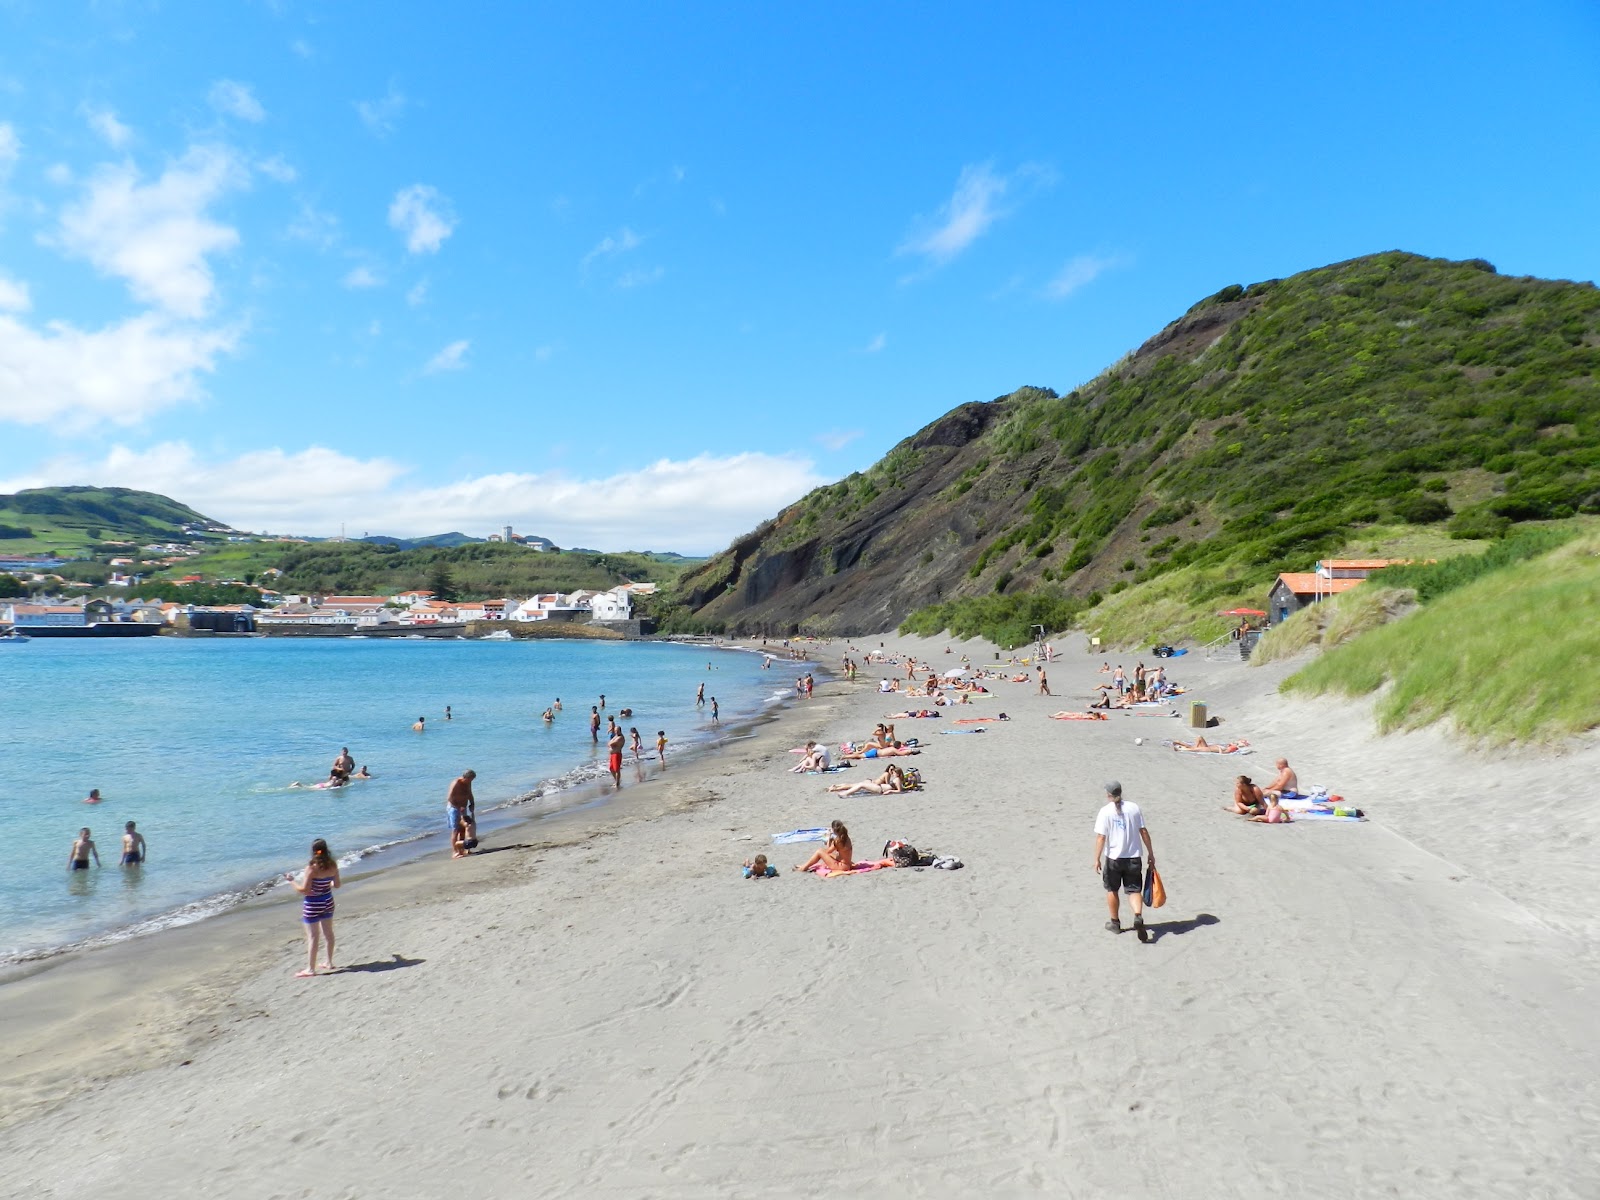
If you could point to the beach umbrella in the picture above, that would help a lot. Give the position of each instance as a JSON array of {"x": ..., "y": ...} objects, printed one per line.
[{"x": 956, "y": 673}]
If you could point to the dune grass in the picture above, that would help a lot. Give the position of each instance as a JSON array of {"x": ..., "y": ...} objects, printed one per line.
[
  {"x": 1512, "y": 657},
  {"x": 1333, "y": 622}
]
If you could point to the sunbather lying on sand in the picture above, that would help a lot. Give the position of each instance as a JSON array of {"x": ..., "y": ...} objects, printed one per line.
[
  {"x": 837, "y": 854},
  {"x": 813, "y": 758},
  {"x": 1201, "y": 746},
  {"x": 898, "y": 750},
  {"x": 913, "y": 714},
  {"x": 1019, "y": 678},
  {"x": 1077, "y": 716},
  {"x": 889, "y": 783},
  {"x": 1247, "y": 798},
  {"x": 981, "y": 720}
]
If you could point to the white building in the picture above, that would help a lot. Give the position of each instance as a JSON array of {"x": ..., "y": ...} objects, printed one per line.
[{"x": 615, "y": 605}]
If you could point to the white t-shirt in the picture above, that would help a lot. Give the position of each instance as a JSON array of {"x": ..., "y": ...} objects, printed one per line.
[{"x": 1121, "y": 830}]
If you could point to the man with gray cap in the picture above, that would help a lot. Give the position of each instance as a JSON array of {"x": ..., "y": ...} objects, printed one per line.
[{"x": 1118, "y": 831}]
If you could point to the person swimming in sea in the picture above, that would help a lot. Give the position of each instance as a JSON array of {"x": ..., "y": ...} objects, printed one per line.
[
  {"x": 134, "y": 849},
  {"x": 421, "y": 725},
  {"x": 547, "y": 717},
  {"x": 78, "y": 856},
  {"x": 93, "y": 797}
]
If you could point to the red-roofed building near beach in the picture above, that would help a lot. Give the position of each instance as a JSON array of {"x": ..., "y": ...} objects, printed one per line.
[{"x": 1295, "y": 590}]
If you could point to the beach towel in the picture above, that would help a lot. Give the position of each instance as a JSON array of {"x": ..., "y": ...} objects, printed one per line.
[
  {"x": 978, "y": 720},
  {"x": 956, "y": 732},
  {"x": 947, "y": 862},
  {"x": 1083, "y": 716},
  {"x": 1325, "y": 814},
  {"x": 800, "y": 835},
  {"x": 858, "y": 869}
]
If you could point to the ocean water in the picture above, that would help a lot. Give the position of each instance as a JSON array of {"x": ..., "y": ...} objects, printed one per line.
[{"x": 198, "y": 741}]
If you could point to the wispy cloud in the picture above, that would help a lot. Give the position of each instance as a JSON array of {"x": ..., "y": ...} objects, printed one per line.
[
  {"x": 14, "y": 296},
  {"x": 106, "y": 126},
  {"x": 611, "y": 245},
  {"x": 382, "y": 116},
  {"x": 417, "y": 293},
  {"x": 362, "y": 277},
  {"x": 312, "y": 225},
  {"x": 452, "y": 358},
  {"x": 234, "y": 99},
  {"x": 876, "y": 344},
  {"x": 837, "y": 439},
  {"x": 975, "y": 205},
  {"x": 423, "y": 217},
  {"x": 301, "y": 48},
  {"x": 278, "y": 169},
  {"x": 1079, "y": 272},
  {"x": 641, "y": 278}
]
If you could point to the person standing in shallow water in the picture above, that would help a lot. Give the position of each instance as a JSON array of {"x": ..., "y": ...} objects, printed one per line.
[
  {"x": 134, "y": 850},
  {"x": 700, "y": 697},
  {"x": 594, "y": 723},
  {"x": 716, "y": 719},
  {"x": 78, "y": 856},
  {"x": 614, "y": 745}
]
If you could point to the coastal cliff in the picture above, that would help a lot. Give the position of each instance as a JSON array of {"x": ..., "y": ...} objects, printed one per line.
[{"x": 1265, "y": 426}]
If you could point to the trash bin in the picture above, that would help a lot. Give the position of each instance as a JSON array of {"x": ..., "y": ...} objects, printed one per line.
[{"x": 1197, "y": 715}]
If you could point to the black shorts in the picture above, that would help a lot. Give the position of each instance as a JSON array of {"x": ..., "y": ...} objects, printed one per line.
[{"x": 1129, "y": 872}]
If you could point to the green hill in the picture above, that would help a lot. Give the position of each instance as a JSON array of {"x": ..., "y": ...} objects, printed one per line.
[
  {"x": 72, "y": 519},
  {"x": 1269, "y": 424}
]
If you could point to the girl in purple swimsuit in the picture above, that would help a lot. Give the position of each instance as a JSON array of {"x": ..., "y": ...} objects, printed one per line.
[{"x": 316, "y": 884}]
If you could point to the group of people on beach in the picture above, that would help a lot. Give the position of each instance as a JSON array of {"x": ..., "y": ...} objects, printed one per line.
[{"x": 135, "y": 850}]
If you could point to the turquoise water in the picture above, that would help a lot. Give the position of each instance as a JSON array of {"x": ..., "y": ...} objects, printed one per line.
[{"x": 198, "y": 740}]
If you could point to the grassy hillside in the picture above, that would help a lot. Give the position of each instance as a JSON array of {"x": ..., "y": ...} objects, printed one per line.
[
  {"x": 1510, "y": 653},
  {"x": 1267, "y": 426},
  {"x": 475, "y": 571},
  {"x": 75, "y": 519}
]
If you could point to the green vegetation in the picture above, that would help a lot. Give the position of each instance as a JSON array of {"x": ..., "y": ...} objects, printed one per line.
[
  {"x": 73, "y": 520},
  {"x": 1005, "y": 620},
  {"x": 477, "y": 571},
  {"x": 1333, "y": 622},
  {"x": 1430, "y": 580},
  {"x": 1511, "y": 656}
]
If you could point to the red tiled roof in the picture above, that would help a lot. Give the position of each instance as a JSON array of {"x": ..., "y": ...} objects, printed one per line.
[
  {"x": 1362, "y": 564},
  {"x": 1309, "y": 583}
]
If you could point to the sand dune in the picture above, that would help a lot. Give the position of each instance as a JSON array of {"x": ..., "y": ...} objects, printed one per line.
[{"x": 605, "y": 1007}]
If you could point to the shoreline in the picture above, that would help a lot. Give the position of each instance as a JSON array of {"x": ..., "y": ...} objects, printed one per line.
[
  {"x": 577, "y": 787},
  {"x": 599, "y": 1003}
]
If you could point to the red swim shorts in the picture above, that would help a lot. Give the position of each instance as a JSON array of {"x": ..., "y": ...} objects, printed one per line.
[{"x": 615, "y": 762}]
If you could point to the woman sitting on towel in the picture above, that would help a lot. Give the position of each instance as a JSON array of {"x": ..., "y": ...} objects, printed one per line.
[
  {"x": 887, "y": 784},
  {"x": 1247, "y": 798},
  {"x": 837, "y": 854}
]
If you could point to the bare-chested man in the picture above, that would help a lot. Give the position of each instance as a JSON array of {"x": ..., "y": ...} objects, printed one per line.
[
  {"x": 134, "y": 850},
  {"x": 614, "y": 745},
  {"x": 344, "y": 764},
  {"x": 459, "y": 805},
  {"x": 1285, "y": 782}
]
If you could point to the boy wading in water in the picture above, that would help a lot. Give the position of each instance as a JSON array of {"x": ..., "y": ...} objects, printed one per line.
[{"x": 1118, "y": 832}]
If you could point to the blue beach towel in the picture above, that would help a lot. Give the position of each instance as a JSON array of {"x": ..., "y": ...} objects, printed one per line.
[
  {"x": 800, "y": 835},
  {"x": 958, "y": 732}
]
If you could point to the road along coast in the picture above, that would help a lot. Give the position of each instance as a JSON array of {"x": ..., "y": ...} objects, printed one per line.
[{"x": 603, "y": 1005}]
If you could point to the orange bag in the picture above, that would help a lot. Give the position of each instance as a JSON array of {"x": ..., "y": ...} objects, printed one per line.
[{"x": 1155, "y": 895}]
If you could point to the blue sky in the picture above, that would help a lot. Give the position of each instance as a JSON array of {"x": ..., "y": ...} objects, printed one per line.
[{"x": 637, "y": 275}]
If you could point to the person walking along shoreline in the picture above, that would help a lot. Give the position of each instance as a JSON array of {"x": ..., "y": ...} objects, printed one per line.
[{"x": 1119, "y": 830}]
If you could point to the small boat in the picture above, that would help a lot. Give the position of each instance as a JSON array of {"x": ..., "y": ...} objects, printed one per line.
[{"x": 13, "y": 636}]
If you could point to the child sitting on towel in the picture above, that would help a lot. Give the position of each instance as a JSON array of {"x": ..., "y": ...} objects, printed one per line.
[
  {"x": 759, "y": 868},
  {"x": 1274, "y": 815}
]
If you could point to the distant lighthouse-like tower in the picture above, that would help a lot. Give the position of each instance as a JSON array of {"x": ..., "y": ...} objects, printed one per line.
[{"x": 507, "y": 533}]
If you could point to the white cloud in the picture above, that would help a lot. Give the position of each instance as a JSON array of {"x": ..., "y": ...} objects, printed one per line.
[
  {"x": 966, "y": 216},
  {"x": 362, "y": 277},
  {"x": 838, "y": 439},
  {"x": 641, "y": 278},
  {"x": 301, "y": 48},
  {"x": 106, "y": 126},
  {"x": 234, "y": 99},
  {"x": 452, "y": 358},
  {"x": 423, "y": 217},
  {"x": 1079, "y": 272},
  {"x": 381, "y": 116},
  {"x": 417, "y": 293},
  {"x": 696, "y": 505},
  {"x": 613, "y": 244},
  {"x": 74, "y": 378},
  {"x": 876, "y": 344},
  {"x": 14, "y": 296},
  {"x": 59, "y": 174},
  {"x": 278, "y": 169},
  {"x": 156, "y": 236}
]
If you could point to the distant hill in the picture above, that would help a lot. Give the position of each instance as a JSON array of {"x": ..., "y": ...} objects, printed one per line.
[
  {"x": 1267, "y": 425},
  {"x": 437, "y": 539},
  {"x": 74, "y": 518}
]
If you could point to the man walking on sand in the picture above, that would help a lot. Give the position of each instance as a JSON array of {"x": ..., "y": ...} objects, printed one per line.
[
  {"x": 459, "y": 805},
  {"x": 1044, "y": 684},
  {"x": 1118, "y": 831}
]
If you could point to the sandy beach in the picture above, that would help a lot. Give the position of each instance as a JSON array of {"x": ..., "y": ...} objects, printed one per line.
[{"x": 602, "y": 1006}]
